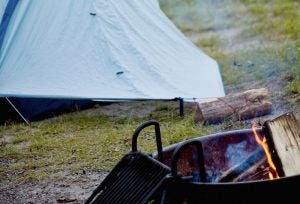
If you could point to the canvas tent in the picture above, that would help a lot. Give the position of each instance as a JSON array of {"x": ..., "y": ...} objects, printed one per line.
[{"x": 97, "y": 50}]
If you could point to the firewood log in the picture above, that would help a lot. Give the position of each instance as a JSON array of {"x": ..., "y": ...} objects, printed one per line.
[
  {"x": 283, "y": 139},
  {"x": 239, "y": 106},
  {"x": 259, "y": 171},
  {"x": 239, "y": 168}
]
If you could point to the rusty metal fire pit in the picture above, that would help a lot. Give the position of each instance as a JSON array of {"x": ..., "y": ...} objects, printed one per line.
[
  {"x": 234, "y": 154},
  {"x": 225, "y": 167}
]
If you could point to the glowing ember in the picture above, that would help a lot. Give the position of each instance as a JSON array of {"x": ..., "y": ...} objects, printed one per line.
[{"x": 263, "y": 142}]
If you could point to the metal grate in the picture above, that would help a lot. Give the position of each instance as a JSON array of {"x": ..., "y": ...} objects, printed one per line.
[{"x": 135, "y": 179}]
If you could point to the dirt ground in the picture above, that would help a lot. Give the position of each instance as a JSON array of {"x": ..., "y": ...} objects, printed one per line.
[{"x": 72, "y": 189}]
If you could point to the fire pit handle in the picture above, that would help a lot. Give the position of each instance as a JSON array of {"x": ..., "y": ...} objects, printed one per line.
[
  {"x": 200, "y": 158},
  {"x": 157, "y": 136}
]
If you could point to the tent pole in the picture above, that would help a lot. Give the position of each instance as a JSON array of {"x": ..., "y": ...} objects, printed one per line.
[
  {"x": 181, "y": 106},
  {"x": 25, "y": 120}
]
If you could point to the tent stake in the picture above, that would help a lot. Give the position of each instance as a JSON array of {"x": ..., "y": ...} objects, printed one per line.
[{"x": 26, "y": 121}]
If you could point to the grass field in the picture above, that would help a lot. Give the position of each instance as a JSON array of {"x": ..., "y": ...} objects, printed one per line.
[{"x": 256, "y": 43}]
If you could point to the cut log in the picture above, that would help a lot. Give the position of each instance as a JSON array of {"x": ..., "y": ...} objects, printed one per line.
[
  {"x": 240, "y": 168},
  {"x": 283, "y": 139},
  {"x": 238, "y": 106}
]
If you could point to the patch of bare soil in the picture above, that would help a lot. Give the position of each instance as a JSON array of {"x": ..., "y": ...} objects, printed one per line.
[{"x": 74, "y": 188}]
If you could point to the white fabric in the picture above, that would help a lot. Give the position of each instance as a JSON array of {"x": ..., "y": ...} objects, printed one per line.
[{"x": 128, "y": 50}]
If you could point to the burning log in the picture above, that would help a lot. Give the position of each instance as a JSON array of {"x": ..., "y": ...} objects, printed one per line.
[
  {"x": 240, "y": 168},
  {"x": 283, "y": 138},
  {"x": 238, "y": 106},
  {"x": 256, "y": 172}
]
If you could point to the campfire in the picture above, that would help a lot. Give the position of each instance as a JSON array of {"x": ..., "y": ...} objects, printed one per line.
[
  {"x": 272, "y": 171},
  {"x": 228, "y": 166},
  {"x": 264, "y": 152},
  {"x": 264, "y": 159}
]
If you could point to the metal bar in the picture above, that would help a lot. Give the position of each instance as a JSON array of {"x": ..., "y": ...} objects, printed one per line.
[
  {"x": 180, "y": 149},
  {"x": 181, "y": 106},
  {"x": 157, "y": 137}
]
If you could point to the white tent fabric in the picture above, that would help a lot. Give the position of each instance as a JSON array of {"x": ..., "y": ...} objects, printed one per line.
[
  {"x": 3, "y": 4},
  {"x": 101, "y": 49}
]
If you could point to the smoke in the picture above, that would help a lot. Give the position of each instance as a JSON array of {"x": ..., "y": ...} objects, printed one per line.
[
  {"x": 235, "y": 153},
  {"x": 198, "y": 15},
  {"x": 222, "y": 20}
]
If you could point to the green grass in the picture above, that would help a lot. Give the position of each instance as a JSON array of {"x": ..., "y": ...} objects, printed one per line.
[
  {"x": 77, "y": 141},
  {"x": 260, "y": 66},
  {"x": 283, "y": 16},
  {"x": 276, "y": 23},
  {"x": 208, "y": 44}
]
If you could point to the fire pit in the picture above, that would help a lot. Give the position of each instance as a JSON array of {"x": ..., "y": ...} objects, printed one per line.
[
  {"x": 233, "y": 166},
  {"x": 236, "y": 171}
]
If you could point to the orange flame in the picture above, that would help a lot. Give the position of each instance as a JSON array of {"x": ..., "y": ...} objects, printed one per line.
[{"x": 263, "y": 142}]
